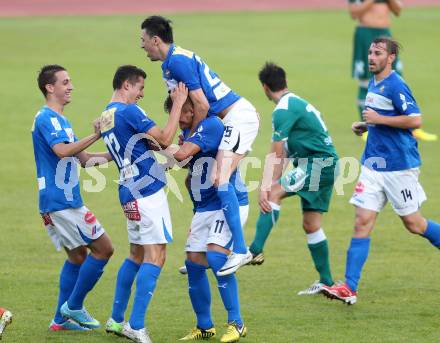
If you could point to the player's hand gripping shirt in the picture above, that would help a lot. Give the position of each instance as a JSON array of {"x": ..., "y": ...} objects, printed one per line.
[
  {"x": 393, "y": 148},
  {"x": 300, "y": 125},
  {"x": 208, "y": 136},
  {"x": 58, "y": 182},
  {"x": 123, "y": 129},
  {"x": 185, "y": 66}
]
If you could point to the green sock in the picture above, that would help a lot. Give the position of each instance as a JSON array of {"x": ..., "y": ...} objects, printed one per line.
[
  {"x": 362, "y": 94},
  {"x": 319, "y": 253},
  {"x": 265, "y": 223}
]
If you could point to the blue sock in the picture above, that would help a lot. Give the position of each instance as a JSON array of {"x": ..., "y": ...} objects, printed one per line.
[
  {"x": 227, "y": 285},
  {"x": 356, "y": 256},
  {"x": 145, "y": 285},
  {"x": 432, "y": 233},
  {"x": 68, "y": 277},
  {"x": 231, "y": 210},
  {"x": 126, "y": 274},
  {"x": 200, "y": 294},
  {"x": 89, "y": 274}
]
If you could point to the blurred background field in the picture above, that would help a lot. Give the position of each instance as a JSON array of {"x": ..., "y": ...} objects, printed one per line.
[{"x": 399, "y": 296}]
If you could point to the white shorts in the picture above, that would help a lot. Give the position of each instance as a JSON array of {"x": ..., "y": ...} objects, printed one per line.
[
  {"x": 72, "y": 227},
  {"x": 401, "y": 188},
  {"x": 241, "y": 127},
  {"x": 210, "y": 227},
  {"x": 149, "y": 220}
]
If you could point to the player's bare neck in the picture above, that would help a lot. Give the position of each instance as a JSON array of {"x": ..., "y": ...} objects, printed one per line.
[
  {"x": 55, "y": 106},
  {"x": 119, "y": 97},
  {"x": 276, "y": 96},
  {"x": 163, "y": 49},
  {"x": 382, "y": 75}
]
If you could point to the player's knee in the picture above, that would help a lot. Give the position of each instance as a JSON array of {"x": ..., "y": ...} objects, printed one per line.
[
  {"x": 78, "y": 255},
  {"x": 414, "y": 225},
  {"x": 102, "y": 248},
  {"x": 362, "y": 226},
  {"x": 108, "y": 252},
  {"x": 310, "y": 225}
]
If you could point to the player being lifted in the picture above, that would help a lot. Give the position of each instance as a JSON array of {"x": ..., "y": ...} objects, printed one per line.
[
  {"x": 390, "y": 164},
  {"x": 209, "y": 239},
  {"x": 299, "y": 133},
  {"x": 126, "y": 130},
  {"x": 210, "y": 96},
  {"x": 69, "y": 223}
]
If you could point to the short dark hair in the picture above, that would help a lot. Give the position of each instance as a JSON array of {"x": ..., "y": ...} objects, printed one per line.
[
  {"x": 273, "y": 77},
  {"x": 159, "y": 26},
  {"x": 393, "y": 46},
  {"x": 127, "y": 72},
  {"x": 46, "y": 76},
  {"x": 168, "y": 104}
]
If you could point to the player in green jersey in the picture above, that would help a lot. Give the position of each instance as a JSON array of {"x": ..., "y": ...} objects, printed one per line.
[{"x": 300, "y": 135}]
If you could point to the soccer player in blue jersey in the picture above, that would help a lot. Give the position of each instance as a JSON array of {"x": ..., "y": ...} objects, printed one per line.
[
  {"x": 209, "y": 239},
  {"x": 211, "y": 97},
  {"x": 127, "y": 132},
  {"x": 70, "y": 224},
  {"x": 390, "y": 164}
]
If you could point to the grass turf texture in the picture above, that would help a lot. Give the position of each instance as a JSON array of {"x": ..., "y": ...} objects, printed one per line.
[{"x": 398, "y": 298}]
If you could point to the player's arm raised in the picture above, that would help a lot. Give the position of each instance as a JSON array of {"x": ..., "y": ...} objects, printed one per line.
[
  {"x": 395, "y": 6},
  {"x": 359, "y": 9},
  {"x": 165, "y": 136},
  {"x": 201, "y": 107}
]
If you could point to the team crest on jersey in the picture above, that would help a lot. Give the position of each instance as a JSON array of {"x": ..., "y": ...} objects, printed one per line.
[
  {"x": 89, "y": 218},
  {"x": 131, "y": 211},
  {"x": 360, "y": 187},
  {"x": 381, "y": 89}
]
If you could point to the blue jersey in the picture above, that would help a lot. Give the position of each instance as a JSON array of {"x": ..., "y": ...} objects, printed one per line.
[
  {"x": 123, "y": 129},
  {"x": 392, "y": 148},
  {"x": 208, "y": 136},
  {"x": 58, "y": 182},
  {"x": 185, "y": 66}
]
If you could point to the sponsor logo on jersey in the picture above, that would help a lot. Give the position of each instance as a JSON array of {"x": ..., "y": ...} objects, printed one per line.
[
  {"x": 360, "y": 187},
  {"x": 131, "y": 211},
  {"x": 89, "y": 218}
]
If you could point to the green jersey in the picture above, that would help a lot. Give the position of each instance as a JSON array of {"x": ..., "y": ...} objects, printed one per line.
[{"x": 300, "y": 125}]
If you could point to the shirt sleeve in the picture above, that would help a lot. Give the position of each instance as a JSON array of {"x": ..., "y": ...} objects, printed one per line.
[
  {"x": 51, "y": 130},
  {"x": 208, "y": 135},
  {"x": 403, "y": 100},
  {"x": 138, "y": 119},
  {"x": 282, "y": 123},
  {"x": 183, "y": 69}
]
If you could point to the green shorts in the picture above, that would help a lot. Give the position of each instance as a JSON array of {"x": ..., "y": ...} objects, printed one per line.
[
  {"x": 363, "y": 36},
  {"x": 315, "y": 191}
]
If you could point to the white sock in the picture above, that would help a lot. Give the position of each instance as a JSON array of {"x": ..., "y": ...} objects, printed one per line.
[{"x": 316, "y": 237}]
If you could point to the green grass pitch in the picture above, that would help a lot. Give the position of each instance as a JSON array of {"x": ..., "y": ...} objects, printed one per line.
[{"x": 399, "y": 296}]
